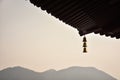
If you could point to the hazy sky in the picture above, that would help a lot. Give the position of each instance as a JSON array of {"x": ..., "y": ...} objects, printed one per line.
[{"x": 31, "y": 38}]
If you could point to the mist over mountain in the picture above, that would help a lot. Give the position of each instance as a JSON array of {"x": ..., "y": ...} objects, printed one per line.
[{"x": 72, "y": 73}]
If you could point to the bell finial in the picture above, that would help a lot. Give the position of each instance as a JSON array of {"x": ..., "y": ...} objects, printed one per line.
[{"x": 84, "y": 39}]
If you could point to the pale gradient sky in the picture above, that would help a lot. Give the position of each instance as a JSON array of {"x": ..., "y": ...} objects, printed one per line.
[{"x": 31, "y": 38}]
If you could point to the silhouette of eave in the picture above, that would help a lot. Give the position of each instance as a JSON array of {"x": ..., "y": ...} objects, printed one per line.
[{"x": 98, "y": 16}]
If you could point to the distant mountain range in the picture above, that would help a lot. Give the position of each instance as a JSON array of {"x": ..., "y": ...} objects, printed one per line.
[{"x": 72, "y": 73}]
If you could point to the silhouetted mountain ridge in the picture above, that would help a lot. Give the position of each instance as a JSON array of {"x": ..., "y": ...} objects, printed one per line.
[{"x": 72, "y": 73}]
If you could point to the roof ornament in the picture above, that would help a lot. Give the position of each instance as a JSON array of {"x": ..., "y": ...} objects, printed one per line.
[{"x": 84, "y": 44}]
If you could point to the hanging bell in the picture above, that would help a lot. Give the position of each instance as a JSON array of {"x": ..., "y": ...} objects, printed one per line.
[
  {"x": 84, "y": 50},
  {"x": 84, "y": 39},
  {"x": 84, "y": 44}
]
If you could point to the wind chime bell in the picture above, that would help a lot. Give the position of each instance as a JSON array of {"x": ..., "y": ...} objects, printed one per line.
[{"x": 84, "y": 45}]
